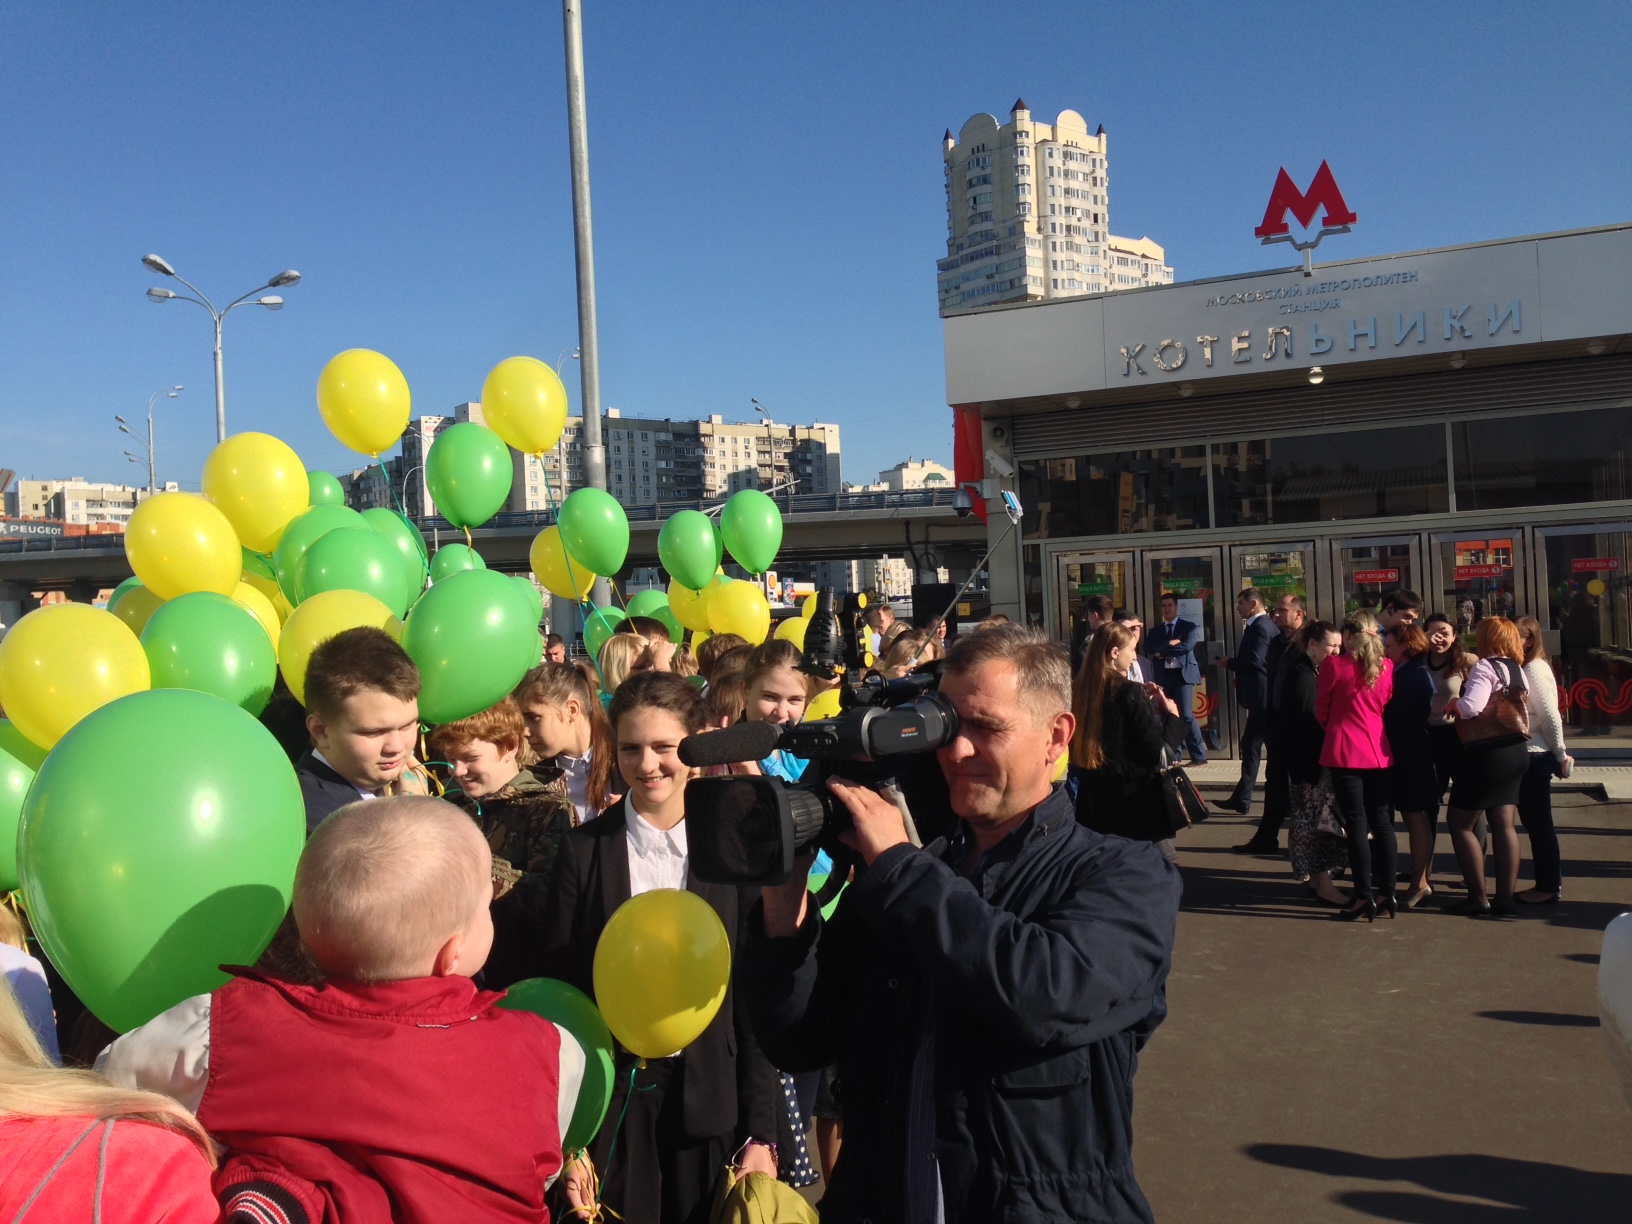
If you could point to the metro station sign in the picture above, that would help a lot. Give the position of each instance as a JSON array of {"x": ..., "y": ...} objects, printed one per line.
[{"x": 1285, "y": 198}]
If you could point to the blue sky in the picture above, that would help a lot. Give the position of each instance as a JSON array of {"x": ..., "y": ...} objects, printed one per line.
[{"x": 768, "y": 201}]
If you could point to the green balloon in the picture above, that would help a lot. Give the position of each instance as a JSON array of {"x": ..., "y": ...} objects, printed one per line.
[
  {"x": 646, "y": 603},
  {"x": 20, "y": 760},
  {"x": 259, "y": 564},
  {"x": 594, "y": 530},
  {"x": 454, "y": 559},
  {"x": 572, "y": 1009},
  {"x": 685, "y": 546},
  {"x": 325, "y": 490},
  {"x": 206, "y": 642},
  {"x": 121, "y": 590},
  {"x": 410, "y": 545},
  {"x": 532, "y": 598},
  {"x": 356, "y": 559},
  {"x": 468, "y": 472},
  {"x": 472, "y": 640},
  {"x": 158, "y": 843},
  {"x": 300, "y": 535},
  {"x": 719, "y": 547},
  {"x": 600, "y": 625},
  {"x": 751, "y": 526},
  {"x": 677, "y": 631}
]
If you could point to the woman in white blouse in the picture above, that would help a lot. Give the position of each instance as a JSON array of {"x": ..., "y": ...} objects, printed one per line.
[{"x": 1548, "y": 759}]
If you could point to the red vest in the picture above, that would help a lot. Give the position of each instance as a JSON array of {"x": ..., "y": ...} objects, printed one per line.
[{"x": 414, "y": 1101}]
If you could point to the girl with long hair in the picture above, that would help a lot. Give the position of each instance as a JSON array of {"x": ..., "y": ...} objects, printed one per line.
[
  {"x": 1548, "y": 760},
  {"x": 1118, "y": 744},
  {"x": 1354, "y": 688},
  {"x": 74, "y": 1147},
  {"x": 1448, "y": 666},
  {"x": 566, "y": 728},
  {"x": 1489, "y": 778},
  {"x": 622, "y": 655},
  {"x": 1413, "y": 779}
]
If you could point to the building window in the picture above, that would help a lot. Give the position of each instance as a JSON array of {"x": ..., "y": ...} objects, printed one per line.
[
  {"x": 1545, "y": 460},
  {"x": 1114, "y": 494},
  {"x": 1309, "y": 478}
]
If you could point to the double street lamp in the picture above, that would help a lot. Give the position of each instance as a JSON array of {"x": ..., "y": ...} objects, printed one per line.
[
  {"x": 271, "y": 302},
  {"x": 124, "y": 428}
]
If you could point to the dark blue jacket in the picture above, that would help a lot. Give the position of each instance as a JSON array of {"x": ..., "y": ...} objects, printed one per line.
[
  {"x": 1251, "y": 664},
  {"x": 1156, "y": 646},
  {"x": 1033, "y": 986},
  {"x": 323, "y": 791}
]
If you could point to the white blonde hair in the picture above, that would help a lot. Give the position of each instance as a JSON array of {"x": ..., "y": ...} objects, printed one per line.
[
  {"x": 32, "y": 1086},
  {"x": 384, "y": 883}
]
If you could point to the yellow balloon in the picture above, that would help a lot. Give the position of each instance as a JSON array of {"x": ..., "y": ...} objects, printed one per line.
[
  {"x": 179, "y": 543},
  {"x": 364, "y": 400},
  {"x": 548, "y": 557},
  {"x": 698, "y": 636},
  {"x": 259, "y": 483},
  {"x": 823, "y": 705},
  {"x": 739, "y": 607},
  {"x": 792, "y": 630},
  {"x": 661, "y": 969},
  {"x": 1062, "y": 767},
  {"x": 64, "y": 660},
  {"x": 259, "y": 606},
  {"x": 1596, "y": 586},
  {"x": 809, "y": 610},
  {"x": 525, "y": 404},
  {"x": 690, "y": 607},
  {"x": 135, "y": 606},
  {"x": 317, "y": 620}
]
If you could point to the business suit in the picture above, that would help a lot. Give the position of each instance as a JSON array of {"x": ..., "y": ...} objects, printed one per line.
[
  {"x": 323, "y": 791},
  {"x": 1278, "y": 662},
  {"x": 1251, "y": 670},
  {"x": 1176, "y": 670},
  {"x": 689, "y": 1113}
]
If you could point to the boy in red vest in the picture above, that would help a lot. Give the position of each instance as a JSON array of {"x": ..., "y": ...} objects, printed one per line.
[{"x": 395, "y": 1091}]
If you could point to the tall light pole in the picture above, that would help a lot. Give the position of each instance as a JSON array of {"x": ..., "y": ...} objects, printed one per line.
[
  {"x": 124, "y": 428},
  {"x": 589, "y": 365},
  {"x": 770, "y": 435},
  {"x": 272, "y": 302}
]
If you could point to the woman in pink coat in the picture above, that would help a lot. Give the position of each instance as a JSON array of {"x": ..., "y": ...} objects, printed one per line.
[{"x": 1354, "y": 687}]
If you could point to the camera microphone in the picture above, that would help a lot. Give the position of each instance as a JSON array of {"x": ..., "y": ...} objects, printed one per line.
[{"x": 744, "y": 741}]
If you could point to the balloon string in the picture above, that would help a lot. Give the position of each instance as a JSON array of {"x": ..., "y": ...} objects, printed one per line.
[
  {"x": 468, "y": 544},
  {"x": 391, "y": 488},
  {"x": 424, "y": 752},
  {"x": 617, "y": 1130}
]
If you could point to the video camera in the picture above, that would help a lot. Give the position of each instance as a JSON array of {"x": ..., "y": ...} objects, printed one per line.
[{"x": 748, "y": 830}]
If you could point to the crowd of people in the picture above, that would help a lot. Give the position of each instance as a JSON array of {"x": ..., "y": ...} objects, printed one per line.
[
  {"x": 363, "y": 1070},
  {"x": 1356, "y": 723}
]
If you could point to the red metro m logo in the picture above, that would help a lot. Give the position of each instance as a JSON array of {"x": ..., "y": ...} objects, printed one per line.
[{"x": 1323, "y": 193}]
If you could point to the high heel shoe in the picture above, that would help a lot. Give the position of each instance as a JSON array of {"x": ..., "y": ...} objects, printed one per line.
[
  {"x": 1418, "y": 897},
  {"x": 1470, "y": 908},
  {"x": 1362, "y": 908},
  {"x": 1390, "y": 904}
]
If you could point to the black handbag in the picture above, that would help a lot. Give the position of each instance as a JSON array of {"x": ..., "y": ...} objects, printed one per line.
[{"x": 1180, "y": 798}]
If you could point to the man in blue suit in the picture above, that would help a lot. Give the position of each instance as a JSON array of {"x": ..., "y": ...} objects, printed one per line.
[
  {"x": 1171, "y": 646},
  {"x": 1250, "y": 671}
]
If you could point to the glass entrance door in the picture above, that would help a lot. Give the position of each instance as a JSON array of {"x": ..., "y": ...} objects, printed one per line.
[
  {"x": 1277, "y": 570},
  {"x": 1366, "y": 570},
  {"x": 1587, "y": 580},
  {"x": 1193, "y": 577},
  {"x": 1479, "y": 575},
  {"x": 1079, "y": 576}
]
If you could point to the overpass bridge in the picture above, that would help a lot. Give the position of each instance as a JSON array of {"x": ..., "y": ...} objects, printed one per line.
[{"x": 816, "y": 527}]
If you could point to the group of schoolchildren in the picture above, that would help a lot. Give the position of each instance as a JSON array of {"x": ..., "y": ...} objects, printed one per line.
[{"x": 363, "y": 1070}]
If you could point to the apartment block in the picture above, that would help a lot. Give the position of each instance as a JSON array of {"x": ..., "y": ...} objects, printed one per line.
[
  {"x": 1028, "y": 215},
  {"x": 77, "y": 500}
]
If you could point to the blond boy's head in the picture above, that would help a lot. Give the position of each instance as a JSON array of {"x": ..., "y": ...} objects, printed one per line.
[{"x": 395, "y": 888}]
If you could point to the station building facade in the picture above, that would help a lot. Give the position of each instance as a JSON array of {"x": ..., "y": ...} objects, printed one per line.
[{"x": 1455, "y": 421}]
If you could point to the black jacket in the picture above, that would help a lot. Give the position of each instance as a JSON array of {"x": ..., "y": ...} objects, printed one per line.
[
  {"x": 1298, "y": 733},
  {"x": 726, "y": 1085},
  {"x": 1123, "y": 796},
  {"x": 1250, "y": 664},
  {"x": 323, "y": 790},
  {"x": 1034, "y": 984}
]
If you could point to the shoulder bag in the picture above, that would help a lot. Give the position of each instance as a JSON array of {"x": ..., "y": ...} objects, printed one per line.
[
  {"x": 1505, "y": 720},
  {"x": 1181, "y": 801}
]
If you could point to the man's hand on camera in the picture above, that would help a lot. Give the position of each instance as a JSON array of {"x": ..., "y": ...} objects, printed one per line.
[
  {"x": 877, "y": 821},
  {"x": 785, "y": 903}
]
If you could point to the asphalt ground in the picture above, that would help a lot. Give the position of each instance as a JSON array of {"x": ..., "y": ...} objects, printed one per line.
[{"x": 1433, "y": 1068}]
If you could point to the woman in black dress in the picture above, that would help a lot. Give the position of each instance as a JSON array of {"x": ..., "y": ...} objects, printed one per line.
[
  {"x": 1117, "y": 749},
  {"x": 1413, "y": 780}
]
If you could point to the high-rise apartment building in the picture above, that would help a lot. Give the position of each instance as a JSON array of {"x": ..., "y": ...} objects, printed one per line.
[
  {"x": 1028, "y": 215},
  {"x": 77, "y": 500}
]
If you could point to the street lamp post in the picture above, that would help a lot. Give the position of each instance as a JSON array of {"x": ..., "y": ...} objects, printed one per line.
[
  {"x": 770, "y": 435},
  {"x": 272, "y": 302},
  {"x": 124, "y": 428},
  {"x": 418, "y": 467}
]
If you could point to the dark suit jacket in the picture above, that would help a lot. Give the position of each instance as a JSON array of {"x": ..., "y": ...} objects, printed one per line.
[
  {"x": 1156, "y": 639},
  {"x": 323, "y": 790},
  {"x": 1298, "y": 735},
  {"x": 726, "y": 1084},
  {"x": 1250, "y": 664}
]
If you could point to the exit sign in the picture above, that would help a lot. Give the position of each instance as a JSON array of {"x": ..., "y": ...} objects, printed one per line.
[
  {"x": 1595, "y": 565},
  {"x": 1377, "y": 575}
]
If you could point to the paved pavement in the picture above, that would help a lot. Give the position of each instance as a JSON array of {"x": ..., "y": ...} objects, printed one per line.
[{"x": 1434, "y": 1068}]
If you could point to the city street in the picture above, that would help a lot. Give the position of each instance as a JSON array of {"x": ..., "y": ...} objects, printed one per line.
[{"x": 1433, "y": 1068}]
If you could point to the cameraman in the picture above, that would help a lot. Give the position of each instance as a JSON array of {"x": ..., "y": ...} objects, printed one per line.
[{"x": 985, "y": 997}]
